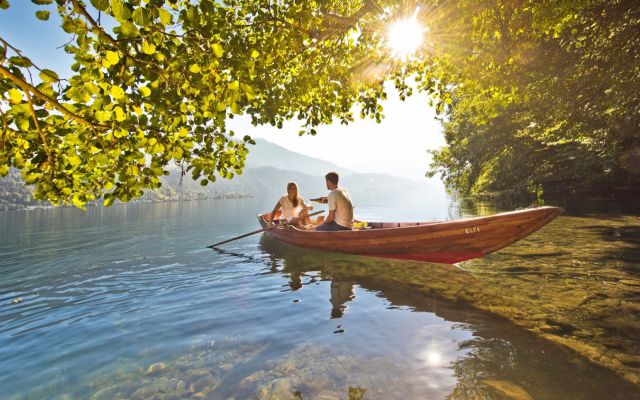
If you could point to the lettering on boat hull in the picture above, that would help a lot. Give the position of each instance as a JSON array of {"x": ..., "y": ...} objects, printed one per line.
[{"x": 472, "y": 229}]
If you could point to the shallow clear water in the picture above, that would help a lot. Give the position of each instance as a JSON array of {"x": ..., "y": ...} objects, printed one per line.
[{"x": 128, "y": 302}]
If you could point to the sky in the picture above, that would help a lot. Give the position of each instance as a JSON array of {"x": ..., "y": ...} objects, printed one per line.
[{"x": 397, "y": 146}]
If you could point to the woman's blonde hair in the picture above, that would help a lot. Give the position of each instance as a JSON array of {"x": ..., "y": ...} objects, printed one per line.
[{"x": 296, "y": 200}]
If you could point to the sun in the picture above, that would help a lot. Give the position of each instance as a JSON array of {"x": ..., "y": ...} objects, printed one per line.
[{"x": 405, "y": 37}]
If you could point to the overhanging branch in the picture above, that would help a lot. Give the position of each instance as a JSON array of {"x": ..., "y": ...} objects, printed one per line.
[{"x": 26, "y": 87}]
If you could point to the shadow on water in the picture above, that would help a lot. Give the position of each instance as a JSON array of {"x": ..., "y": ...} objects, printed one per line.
[
  {"x": 501, "y": 359},
  {"x": 628, "y": 239}
]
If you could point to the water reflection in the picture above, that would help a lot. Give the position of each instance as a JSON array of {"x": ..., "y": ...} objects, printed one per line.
[
  {"x": 341, "y": 293},
  {"x": 500, "y": 360}
]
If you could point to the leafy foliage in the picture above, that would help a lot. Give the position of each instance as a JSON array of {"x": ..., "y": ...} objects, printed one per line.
[
  {"x": 159, "y": 86},
  {"x": 533, "y": 94},
  {"x": 545, "y": 94}
]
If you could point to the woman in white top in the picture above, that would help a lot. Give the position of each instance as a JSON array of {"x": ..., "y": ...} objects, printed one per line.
[{"x": 291, "y": 206}]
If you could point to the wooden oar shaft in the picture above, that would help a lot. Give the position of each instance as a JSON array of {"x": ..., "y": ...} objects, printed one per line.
[
  {"x": 252, "y": 233},
  {"x": 238, "y": 237}
]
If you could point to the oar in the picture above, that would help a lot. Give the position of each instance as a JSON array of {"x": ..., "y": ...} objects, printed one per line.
[{"x": 258, "y": 231}]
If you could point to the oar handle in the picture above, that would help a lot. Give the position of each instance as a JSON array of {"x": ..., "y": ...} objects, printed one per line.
[{"x": 254, "y": 232}]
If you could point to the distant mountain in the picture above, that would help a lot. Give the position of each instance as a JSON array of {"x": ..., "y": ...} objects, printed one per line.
[
  {"x": 269, "y": 168},
  {"x": 267, "y": 154}
]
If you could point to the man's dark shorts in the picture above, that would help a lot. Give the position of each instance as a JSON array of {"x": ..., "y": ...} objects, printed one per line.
[{"x": 331, "y": 226}]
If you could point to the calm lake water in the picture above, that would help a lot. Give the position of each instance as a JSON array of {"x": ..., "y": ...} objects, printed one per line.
[{"x": 128, "y": 303}]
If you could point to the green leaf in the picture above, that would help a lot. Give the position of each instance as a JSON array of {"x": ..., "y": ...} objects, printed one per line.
[
  {"x": 217, "y": 50},
  {"x": 20, "y": 61},
  {"x": 120, "y": 115},
  {"x": 101, "y": 5},
  {"x": 112, "y": 57},
  {"x": 78, "y": 94},
  {"x": 101, "y": 159},
  {"x": 195, "y": 68},
  {"x": 42, "y": 15},
  {"x": 108, "y": 201},
  {"x": 77, "y": 202},
  {"x": 204, "y": 182},
  {"x": 74, "y": 160},
  {"x": 23, "y": 124},
  {"x": 141, "y": 16},
  {"x": 4, "y": 4},
  {"x": 249, "y": 92},
  {"x": 165, "y": 16},
  {"x": 144, "y": 91},
  {"x": 120, "y": 10},
  {"x": 117, "y": 92},
  {"x": 48, "y": 75},
  {"x": 15, "y": 95},
  {"x": 103, "y": 116},
  {"x": 120, "y": 133},
  {"x": 42, "y": 2},
  {"x": 148, "y": 48},
  {"x": 128, "y": 30}
]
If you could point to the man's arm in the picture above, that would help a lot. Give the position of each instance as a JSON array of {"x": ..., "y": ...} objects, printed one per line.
[
  {"x": 331, "y": 200},
  {"x": 330, "y": 217}
]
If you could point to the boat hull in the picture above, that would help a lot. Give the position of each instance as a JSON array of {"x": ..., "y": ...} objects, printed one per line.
[{"x": 442, "y": 242}]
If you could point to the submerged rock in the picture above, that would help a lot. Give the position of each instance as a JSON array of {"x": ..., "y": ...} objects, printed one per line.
[
  {"x": 156, "y": 368},
  {"x": 181, "y": 387},
  {"x": 508, "y": 389},
  {"x": 279, "y": 389}
]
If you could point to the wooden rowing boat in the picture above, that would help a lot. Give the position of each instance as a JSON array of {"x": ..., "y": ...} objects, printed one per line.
[{"x": 443, "y": 242}]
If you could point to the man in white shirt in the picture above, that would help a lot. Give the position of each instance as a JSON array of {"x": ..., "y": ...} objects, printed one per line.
[{"x": 340, "y": 216}]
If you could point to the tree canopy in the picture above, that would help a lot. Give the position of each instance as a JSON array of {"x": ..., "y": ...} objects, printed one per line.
[
  {"x": 544, "y": 94},
  {"x": 159, "y": 85},
  {"x": 530, "y": 92}
]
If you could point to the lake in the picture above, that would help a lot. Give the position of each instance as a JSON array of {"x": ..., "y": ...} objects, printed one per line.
[{"x": 128, "y": 303}]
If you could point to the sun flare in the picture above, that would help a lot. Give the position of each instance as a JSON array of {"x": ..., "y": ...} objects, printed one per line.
[{"x": 405, "y": 37}]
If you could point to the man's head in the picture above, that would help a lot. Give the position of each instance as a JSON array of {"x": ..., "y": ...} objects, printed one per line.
[{"x": 332, "y": 180}]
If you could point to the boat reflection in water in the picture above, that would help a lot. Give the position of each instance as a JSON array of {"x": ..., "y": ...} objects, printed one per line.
[{"x": 445, "y": 346}]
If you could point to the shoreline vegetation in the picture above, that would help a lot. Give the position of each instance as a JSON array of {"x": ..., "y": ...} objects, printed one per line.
[
  {"x": 41, "y": 205},
  {"x": 15, "y": 195}
]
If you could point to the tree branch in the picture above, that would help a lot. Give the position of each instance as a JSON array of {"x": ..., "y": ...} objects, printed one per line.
[
  {"x": 35, "y": 120},
  {"x": 348, "y": 22},
  {"x": 340, "y": 24},
  {"x": 26, "y": 87}
]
